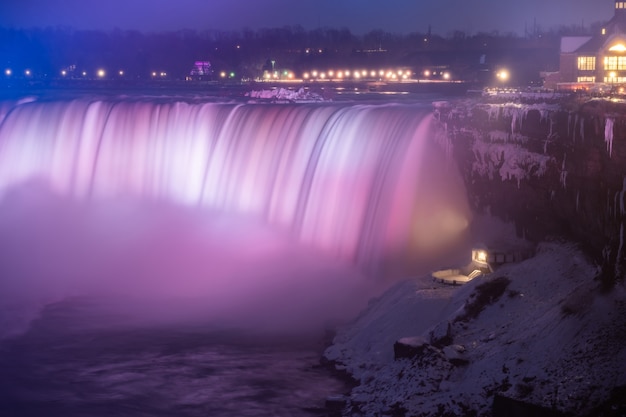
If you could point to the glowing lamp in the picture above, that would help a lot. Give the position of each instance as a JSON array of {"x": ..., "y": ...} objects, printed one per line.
[
  {"x": 481, "y": 256},
  {"x": 446, "y": 75},
  {"x": 101, "y": 73},
  {"x": 8, "y": 71},
  {"x": 426, "y": 73},
  {"x": 503, "y": 75},
  {"x": 64, "y": 73}
]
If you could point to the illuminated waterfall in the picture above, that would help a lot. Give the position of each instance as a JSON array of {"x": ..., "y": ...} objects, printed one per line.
[{"x": 354, "y": 180}]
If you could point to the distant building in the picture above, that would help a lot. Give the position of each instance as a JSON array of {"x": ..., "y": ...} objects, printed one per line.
[
  {"x": 586, "y": 61},
  {"x": 201, "y": 71}
]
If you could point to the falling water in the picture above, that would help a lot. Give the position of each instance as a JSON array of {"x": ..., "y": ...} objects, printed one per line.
[
  {"x": 349, "y": 179},
  {"x": 134, "y": 232}
]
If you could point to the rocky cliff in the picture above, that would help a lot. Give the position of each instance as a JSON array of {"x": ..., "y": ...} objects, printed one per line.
[{"x": 555, "y": 166}]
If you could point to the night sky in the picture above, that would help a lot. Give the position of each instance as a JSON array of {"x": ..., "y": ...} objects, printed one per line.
[{"x": 360, "y": 16}]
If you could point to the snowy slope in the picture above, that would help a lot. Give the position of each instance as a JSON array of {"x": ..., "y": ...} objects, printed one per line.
[{"x": 552, "y": 338}]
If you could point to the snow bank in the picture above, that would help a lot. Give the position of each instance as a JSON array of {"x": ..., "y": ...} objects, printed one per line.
[
  {"x": 283, "y": 94},
  {"x": 550, "y": 338}
]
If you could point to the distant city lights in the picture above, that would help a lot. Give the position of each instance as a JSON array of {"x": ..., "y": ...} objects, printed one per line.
[
  {"x": 277, "y": 74},
  {"x": 356, "y": 74}
]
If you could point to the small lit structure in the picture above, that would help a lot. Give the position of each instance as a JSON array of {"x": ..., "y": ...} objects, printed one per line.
[
  {"x": 201, "y": 71},
  {"x": 478, "y": 266}
]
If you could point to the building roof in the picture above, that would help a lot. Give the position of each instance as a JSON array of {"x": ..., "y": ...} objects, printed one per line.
[{"x": 616, "y": 27}]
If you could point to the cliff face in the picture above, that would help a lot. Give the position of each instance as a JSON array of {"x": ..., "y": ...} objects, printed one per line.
[{"x": 554, "y": 167}]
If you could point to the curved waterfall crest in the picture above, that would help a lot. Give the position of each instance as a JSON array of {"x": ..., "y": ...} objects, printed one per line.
[{"x": 343, "y": 177}]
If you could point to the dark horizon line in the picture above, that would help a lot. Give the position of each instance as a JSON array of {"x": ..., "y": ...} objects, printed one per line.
[{"x": 537, "y": 29}]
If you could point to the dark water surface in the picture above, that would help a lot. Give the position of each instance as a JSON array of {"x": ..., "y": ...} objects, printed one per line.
[{"x": 74, "y": 361}]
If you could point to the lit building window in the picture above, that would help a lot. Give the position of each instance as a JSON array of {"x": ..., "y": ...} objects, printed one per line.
[
  {"x": 615, "y": 63},
  {"x": 615, "y": 80},
  {"x": 620, "y": 47},
  {"x": 604, "y": 31},
  {"x": 586, "y": 63},
  {"x": 586, "y": 79}
]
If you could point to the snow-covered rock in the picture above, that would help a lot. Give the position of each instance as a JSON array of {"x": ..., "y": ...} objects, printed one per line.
[{"x": 551, "y": 337}]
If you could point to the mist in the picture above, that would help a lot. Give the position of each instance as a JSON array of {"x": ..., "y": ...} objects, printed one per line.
[{"x": 151, "y": 262}]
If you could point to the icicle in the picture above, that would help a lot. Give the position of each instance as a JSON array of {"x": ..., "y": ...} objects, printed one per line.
[
  {"x": 621, "y": 197},
  {"x": 608, "y": 135},
  {"x": 569, "y": 122},
  {"x": 582, "y": 129},
  {"x": 621, "y": 245},
  {"x": 564, "y": 173},
  {"x": 514, "y": 116}
]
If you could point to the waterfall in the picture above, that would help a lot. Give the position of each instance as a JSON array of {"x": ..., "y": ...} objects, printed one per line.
[{"x": 354, "y": 180}]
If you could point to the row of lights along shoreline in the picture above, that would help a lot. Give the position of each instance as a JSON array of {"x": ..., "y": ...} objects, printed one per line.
[
  {"x": 381, "y": 75},
  {"x": 99, "y": 73}
]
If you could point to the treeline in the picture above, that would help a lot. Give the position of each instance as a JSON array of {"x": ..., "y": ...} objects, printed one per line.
[{"x": 47, "y": 52}]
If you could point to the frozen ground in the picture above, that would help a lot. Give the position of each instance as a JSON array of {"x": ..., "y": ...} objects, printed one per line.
[{"x": 541, "y": 331}]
